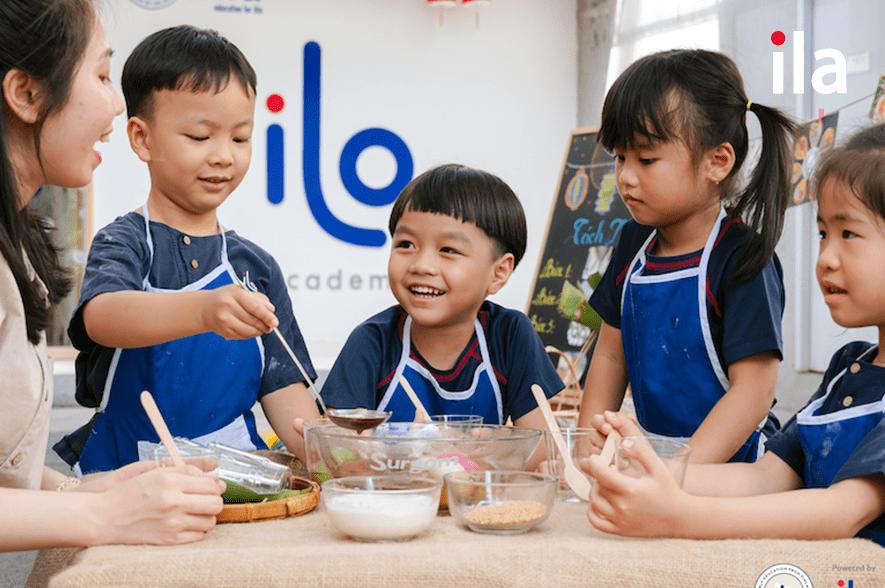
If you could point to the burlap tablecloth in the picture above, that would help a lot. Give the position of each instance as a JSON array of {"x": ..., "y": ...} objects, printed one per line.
[{"x": 564, "y": 551}]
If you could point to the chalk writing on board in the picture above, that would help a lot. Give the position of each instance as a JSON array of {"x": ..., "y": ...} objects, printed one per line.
[
  {"x": 554, "y": 270},
  {"x": 585, "y": 223},
  {"x": 547, "y": 327},
  {"x": 545, "y": 298},
  {"x": 602, "y": 233}
]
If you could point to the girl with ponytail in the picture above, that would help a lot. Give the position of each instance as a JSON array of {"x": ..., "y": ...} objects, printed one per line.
[{"x": 693, "y": 298}]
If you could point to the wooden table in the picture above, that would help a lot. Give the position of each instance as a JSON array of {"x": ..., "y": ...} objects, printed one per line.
[{"x": 564, "y": 551}]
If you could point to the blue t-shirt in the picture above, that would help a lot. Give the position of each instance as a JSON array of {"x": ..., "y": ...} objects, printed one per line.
[
  {"x": 368, "y": 361},
  {"x": 865, "y": 387},
  {"x": 745, "y": 317},
  {"x": 118, "y": 261}
]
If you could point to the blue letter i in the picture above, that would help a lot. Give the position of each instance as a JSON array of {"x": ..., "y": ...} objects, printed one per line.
[{"x": 275, "y": 160}]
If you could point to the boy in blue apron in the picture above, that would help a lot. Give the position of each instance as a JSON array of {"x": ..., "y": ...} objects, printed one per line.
[
  {"x": 823, "y": 475},
  {"x": 457, "y": 235},
  {"x": 161, "y": 307},
  {"x": 693, "y": 297}
]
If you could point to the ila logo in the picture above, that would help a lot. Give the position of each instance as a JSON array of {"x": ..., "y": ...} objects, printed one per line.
[
  {"x": 310, "y": 161},
  {"x": 837, "y": 68}
]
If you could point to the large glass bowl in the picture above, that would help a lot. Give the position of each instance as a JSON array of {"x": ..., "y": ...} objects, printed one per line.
[{"x": 424, "y": 449}]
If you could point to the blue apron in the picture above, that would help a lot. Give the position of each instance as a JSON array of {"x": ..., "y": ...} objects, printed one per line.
[
  {"x": 204, "y": 385},
  {"x": 828, "y": 440},
  {"x": 483, "y": 398},
  {"x": 674, "y": 371}
]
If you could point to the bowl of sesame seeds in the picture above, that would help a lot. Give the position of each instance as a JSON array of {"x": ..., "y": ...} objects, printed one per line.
[{"x": 500, "y": 502}]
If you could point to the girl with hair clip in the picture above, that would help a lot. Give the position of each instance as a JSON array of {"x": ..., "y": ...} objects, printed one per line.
[
  {"x": 56, "y": 103},
  {"x": 822, "y": 474},
  {"x": 693, "y": 297}
]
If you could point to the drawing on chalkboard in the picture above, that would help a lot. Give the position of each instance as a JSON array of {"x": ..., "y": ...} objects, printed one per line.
[
  {"x": 576, "y": 191},
  {"x": 608, "y": 190},
  {"x": 811, "y": 142},
  {"x": 584, "y": 224}
]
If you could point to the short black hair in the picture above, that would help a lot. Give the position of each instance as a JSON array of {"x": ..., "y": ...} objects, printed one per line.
[
  {"x": 860, "y": 164},
  {"x": 182, "y": 58},
  {"x": 469, "y": 195}
]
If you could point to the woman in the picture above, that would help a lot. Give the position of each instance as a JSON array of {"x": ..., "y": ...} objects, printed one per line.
[{"x": 57, "y": 102}]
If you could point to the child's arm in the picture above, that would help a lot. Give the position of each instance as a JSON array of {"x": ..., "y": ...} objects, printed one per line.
[
  {"x": 739, "y": 411},
  {"x": 607, "y": 377},
  {"x": 769, "y": 475},
  {"x": 283, "y": 407},
  {"x": 151, "y": 318},
  {"x": 655, "y": 506},
  {"x": 837, "y": 512}
]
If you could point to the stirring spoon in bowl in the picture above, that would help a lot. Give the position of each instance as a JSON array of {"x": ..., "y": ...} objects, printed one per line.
[{"x": 358, "y": 419}]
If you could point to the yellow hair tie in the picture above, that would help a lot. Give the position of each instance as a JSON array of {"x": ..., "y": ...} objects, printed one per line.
[{"x": 749, "y": 104}]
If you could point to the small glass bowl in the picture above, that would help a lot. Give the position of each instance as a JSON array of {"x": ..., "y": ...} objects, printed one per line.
[
  {"x": 500, "y": 502},
  {"x": 381, "y": 508},
  {"x": 457, "y": 420}
]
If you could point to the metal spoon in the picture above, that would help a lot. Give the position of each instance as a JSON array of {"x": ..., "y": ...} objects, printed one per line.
[{"x": 355, "y": 419}]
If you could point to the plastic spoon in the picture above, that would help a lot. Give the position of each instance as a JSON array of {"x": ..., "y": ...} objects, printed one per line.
[
  {"x": 421, "y": 414},
  {"x": 153, "y": 412},
  {"x": 575, "y": 479}
]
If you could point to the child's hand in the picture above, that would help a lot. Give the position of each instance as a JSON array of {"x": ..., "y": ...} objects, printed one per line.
[
  {"x": 235, "y": 313},
  {"x": 649, "y": 506},
  {"x": 160, "y": 506},
  {"x": 601, "y": 429},
  {"x": 624, "y": 424},
  {"x": 603, "y": 425}
]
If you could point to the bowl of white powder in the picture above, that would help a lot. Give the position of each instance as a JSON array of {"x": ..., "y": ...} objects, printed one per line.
[{"x": 381, "y": 508}]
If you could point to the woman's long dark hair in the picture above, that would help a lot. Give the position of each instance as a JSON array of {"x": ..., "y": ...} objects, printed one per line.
[
  {"x": 698, "y": 96},
  {"x": 45, "y": 39}
]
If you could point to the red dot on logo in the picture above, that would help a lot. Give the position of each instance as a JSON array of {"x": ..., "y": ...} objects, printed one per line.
[
  {"x": 778, "y": 38},
  {"x": 275, "y": 103},
  {"x": 841, "y": 582}
]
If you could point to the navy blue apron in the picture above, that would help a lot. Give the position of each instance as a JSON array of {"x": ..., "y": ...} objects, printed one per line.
[
  {"x": 828, "y": 440},
  {"x": 675, "y": 374},
  {"x": 483, "y": 398},
  {"x": 204, "y": 385}
]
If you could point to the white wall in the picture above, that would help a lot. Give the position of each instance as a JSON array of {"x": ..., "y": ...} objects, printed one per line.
[{"x": 501, "y": 96}]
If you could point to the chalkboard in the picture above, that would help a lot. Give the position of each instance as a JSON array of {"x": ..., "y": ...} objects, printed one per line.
[{"x": 584, "y": 224}]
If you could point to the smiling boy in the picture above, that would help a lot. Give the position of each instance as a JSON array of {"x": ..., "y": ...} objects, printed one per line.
[
  {"x": 458, "y": 233},
  {"x": 161, "y": 308}
]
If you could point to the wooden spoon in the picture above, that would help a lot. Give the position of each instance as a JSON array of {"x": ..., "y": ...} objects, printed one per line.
[
  {"x": 608, "y": 449},
  {"x": 421, "y": 414},
  {"x": 153, "y": 412},
  {"x": 575, "y": 479}
]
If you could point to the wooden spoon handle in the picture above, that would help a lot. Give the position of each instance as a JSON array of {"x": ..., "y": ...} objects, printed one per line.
[
  {"x": 544, "y": 405},
  {"x": 153, "y": 412},
  {"x": 608, "y": 450},
  {"x": 421, "y": 415}
]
